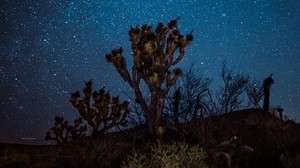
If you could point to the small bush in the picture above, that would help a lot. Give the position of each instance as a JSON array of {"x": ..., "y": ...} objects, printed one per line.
[{"x": 173, "y": 155}]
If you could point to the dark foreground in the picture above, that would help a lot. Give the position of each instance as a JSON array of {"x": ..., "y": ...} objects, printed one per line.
[{"x": 245, "y": 139}]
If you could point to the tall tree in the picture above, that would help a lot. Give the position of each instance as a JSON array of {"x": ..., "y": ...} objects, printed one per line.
[
  {"x": 154, "y": 53},
  {"x": 267, "y": 85}
]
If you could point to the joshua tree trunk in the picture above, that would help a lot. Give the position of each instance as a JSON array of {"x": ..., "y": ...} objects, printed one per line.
[{"x": 267, "y": 85}]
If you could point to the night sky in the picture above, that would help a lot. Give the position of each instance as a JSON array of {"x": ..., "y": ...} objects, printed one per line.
[{"x": 49, "y": 47}]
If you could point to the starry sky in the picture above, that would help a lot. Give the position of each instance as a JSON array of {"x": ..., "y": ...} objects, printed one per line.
[{"x": 49, "y": 47}]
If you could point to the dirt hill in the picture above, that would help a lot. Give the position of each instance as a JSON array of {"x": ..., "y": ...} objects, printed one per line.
[{"x": 268, "y": 136}]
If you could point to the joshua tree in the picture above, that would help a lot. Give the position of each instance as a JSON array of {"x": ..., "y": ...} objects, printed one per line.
[
  {"x": 154, "y": 53},
  {"x": 267, "y": 84},
  {"x": 106, "y": 111},
  {"x": 63, "y": 132}
]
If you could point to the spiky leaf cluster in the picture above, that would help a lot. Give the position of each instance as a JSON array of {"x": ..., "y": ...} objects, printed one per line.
[
  {"x": 268, "y": 81},
  {"x": 153, "y": 53},
  {"x": 63, "y": 132},
  {"x": 104, "y": 113}
]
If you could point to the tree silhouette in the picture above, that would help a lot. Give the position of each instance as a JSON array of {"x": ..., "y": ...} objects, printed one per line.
[
  {"x": 267, "y": 85},
  {"x": 191, "y": 99},
  {"x": 196, "y": 94},
  {"x": 63, "y": 132},
  {"x": 254, "y": 91},
  {"x": 154, "y": 53},
  {"x": 229, "y": 96},
  {"x": 105, "y": 113}
]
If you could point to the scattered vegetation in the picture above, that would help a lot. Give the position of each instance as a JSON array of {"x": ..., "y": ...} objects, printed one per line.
[{"x": 185, "y": 126}]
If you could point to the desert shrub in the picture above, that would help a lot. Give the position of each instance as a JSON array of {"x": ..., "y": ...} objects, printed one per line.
[{"x": 175, "y": 155}]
